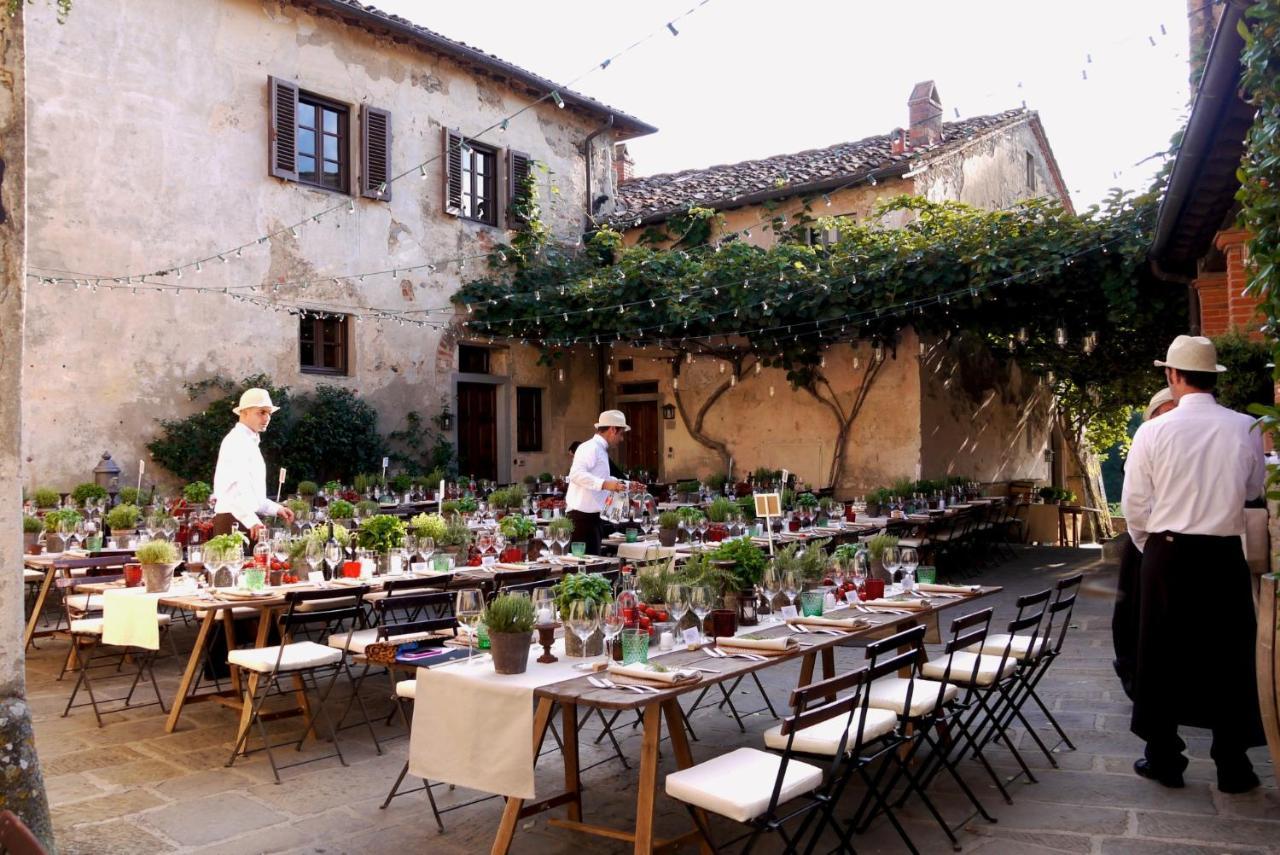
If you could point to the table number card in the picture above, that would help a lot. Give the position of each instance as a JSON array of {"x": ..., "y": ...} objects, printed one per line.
[
  {"x": 316, "y": 577},
  {"x": 692, "y": 637},
  {"x": 788, "y": 612}
]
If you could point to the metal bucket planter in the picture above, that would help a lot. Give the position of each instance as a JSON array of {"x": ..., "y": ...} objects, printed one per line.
[
  {"x": 158, "y": 577},
  {"x": 667, "y": 536},
  {"x": 510, "y": 651},
  {"x": 573, "y": 646}
]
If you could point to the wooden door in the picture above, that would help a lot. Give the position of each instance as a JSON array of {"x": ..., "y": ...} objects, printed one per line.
[
  {"x": 641, "y": 446},
  {"x": 478, "y": 430}
]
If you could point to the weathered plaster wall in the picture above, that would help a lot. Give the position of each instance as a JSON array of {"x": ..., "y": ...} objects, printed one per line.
[
  {"x": 149, "y": 146},
  {"x": 990, "y": 172},
  {"x": 980, "y": 416}
]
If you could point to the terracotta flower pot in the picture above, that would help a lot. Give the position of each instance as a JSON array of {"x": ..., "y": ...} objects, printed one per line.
[
  {"x": 717, "y": 532},
  {"x": 667, "y": 536},
  {"x": 510, "y": 651},
  {"x": 158, "y": 577}
]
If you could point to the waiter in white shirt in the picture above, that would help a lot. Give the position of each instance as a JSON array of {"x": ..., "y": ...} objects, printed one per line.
[
  {"x": 240, "y": 478},
  {"x": 1187, "y": 478},
  {"x": 589, "y": 479}
]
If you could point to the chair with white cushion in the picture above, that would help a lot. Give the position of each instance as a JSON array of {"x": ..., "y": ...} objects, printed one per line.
[
  {"x": 765, "y": 790},
  {"x": 305, "y": 663}
]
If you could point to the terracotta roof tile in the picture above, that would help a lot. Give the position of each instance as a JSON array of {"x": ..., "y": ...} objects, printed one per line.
[{"x": 655, "y": 197}]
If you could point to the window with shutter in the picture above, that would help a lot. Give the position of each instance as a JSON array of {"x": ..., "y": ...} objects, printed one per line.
[
  {"x": 282, "y": 130},
  {"x": 375, "y": 153},
  {"x": 528, "y": 419},
  {"x": 518, "y": 166},
  {"x": 324, "y": 344},
  {"x": 452, "y": 172}
]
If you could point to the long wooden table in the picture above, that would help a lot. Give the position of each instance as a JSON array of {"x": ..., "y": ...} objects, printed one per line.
[
  {"x": 50, "y": 564},
  {"x": 664, "y": 705}
]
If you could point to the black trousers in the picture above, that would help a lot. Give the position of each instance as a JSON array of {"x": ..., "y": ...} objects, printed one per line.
[
  {"x": 586, "y": 529},
  {"x": 1124, "y": 619}
]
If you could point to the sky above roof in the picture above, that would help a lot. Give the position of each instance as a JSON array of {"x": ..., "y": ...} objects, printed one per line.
[{"x": 749, "y": 79}]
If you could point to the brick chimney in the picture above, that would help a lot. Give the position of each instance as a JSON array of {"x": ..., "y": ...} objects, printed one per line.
[
  {"x": 924, "y": 109},
  {"x": 624, "y": 168}
]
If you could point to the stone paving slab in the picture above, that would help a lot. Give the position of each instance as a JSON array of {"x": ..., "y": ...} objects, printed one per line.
[{"x": 129, "y": 787}]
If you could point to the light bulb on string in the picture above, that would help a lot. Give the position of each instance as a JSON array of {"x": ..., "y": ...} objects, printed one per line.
[
  {"x": 675, "y": 383},
  {"x": 757, "y": 367},
  {"x": 1022, "y": 335},
  {"x": 199, "y": 269},
  {"x": 1060, "y": 336},
  {"x": 770, "y": 390},
  {"x": 560, "y": 374}
]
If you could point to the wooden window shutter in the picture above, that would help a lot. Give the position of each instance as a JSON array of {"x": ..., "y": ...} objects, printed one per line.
[
  {"x": 518, "y": 166},
  {"x": 375, "y": 153},
  {"x": 452, "y": 172},
  {"x": 282, "y": 141}
]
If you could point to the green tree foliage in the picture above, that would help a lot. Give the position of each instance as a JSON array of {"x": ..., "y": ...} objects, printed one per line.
[
  {"x": 334, "y": 437},
  {"x": 1248, "y": 378}
]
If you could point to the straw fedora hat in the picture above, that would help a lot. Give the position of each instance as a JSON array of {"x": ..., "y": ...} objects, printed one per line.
[
  {"x": 613, "y": 418},
  {"x": 1192, "y": 353},
  {"x": 1158, "y": 400},
  {"x": 253, "y": 398}
]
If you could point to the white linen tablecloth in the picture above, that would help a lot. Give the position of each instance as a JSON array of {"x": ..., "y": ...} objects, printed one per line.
[
  {"x": 130, "y": 617},
  {"x": 474, "y": 728}
]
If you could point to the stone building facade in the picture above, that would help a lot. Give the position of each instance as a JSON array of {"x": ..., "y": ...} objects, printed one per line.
[
  {"x": 155, "y": 140},
  {"x": 936, "y": 407}
]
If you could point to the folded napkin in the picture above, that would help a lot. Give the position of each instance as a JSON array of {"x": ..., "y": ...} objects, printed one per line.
[
  {"x": 349, "y": 583},
  {"x": 763, "y": 645},
  {"x": 908, "y": 605},
  {"x": 508, "y": 566},
  {"x": 576, "y": 559},
  {"x": 833, "y": 623},
  {"x": 241, "y": 594},
  {"x": 931, "y": 588},
  {"x": 673, "y": 676}
]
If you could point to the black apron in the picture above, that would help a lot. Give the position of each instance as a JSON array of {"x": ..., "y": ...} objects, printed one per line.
[
  {"x": 1196, "y": 636},
  {"x": 1124, "y": 619}
]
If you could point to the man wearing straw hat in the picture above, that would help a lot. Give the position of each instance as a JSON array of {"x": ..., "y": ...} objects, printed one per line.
[
  {"x": 1187, "y": 479},
  {"x": 1124, "y": 619},
  {"x": 240, "y": 478},
  {"x": 590, "y": 479}
]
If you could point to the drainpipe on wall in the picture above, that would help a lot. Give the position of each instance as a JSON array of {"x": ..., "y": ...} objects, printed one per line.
[{"x": 586, "y": 150}]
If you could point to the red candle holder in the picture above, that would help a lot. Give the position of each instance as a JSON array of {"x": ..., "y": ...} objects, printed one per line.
[{"x": 351, "y": 569}]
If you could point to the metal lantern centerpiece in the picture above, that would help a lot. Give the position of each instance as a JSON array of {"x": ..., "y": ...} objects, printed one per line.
[{"x": 107, "y": 474}]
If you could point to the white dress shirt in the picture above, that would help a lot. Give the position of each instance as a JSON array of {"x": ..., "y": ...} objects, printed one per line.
[
  {"x": 587, "y": 476},
  {"x": 1191, "y": 471},
  {"x": 240, "y": 478}
]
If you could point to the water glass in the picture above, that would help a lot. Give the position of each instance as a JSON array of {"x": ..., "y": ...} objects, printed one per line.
[
  {"x": 578, "y": 548},
  {"x": 255, "y": 579},
  {"x": 926, "y": 575},
  {"x": 811, "y": 603},
  {"x": 635, "y": 646},
  {"x": 442, "y": 563}
]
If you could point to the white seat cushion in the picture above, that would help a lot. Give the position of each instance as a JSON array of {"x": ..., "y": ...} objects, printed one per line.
[
  {"x": 325, "y": 604},
  {"x": 913, "y": 542},
  {"x": 84, "y": 602},
  {"x": 962, "y": 668},
  {"x": 890, "y": 693},
  {"x": 299, "y": 655},
  {"x": 739, "y": 784},
  {"x": 407, "y": 689},
  {"x": 995, "y": 645},
  {"x": 93, "y": 626},
  {"x": 29, "y": 575},
  {"x": 237, "y": 612},
  {"x": 362, "y": 638},
  {"x": 824, "y": 737}
]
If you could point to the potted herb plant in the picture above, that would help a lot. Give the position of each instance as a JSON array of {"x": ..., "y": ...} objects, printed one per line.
[
  {"x": 1048, "y": 495},
  {"x": 668, "y": 527},
  {"x": 825, "y": 505},
  {"x": 307, "y": 490},
  {"x": 367, "y": 507},
  {"x": 84, "y": 492},
  {"x": 582, "y": 586},
  {"x": 428, "y": 525},
  {"x": 510, "y": 621},
  {"x": 341, "y": 509},
  {"x": 381, "y": 533},
  {"x": 690, "y": 517},
  {"x": 301, "y": 509},
  {"x": 517, "y": 529},
  {"x": 456, "y": 540},
  {"x": 402, "y": 483},
  {"x": 747, "y": 568},
  {"x": 687, "y": 491},
  {"x": 876, "y": 501},
  {"x": 197, "y": 493},
  {"x": 54, "y": 520},
  {"x": 717, "y": 481},
  {"x": 123, "y": 519},
  {"x": 876, "y": 546},
  {"x": 718, "y": 514},
  {"x": 158, "y": 559},
  {"x": 31, "y": 528}
]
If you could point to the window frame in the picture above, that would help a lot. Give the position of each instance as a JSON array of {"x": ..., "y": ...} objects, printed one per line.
[
  {"x": 318, "y": 345},
  {"x": 534, "y": 425},
  {"x": 470, "y": 152},
  {"x": 308, "y": 100},
  {"x": 1031, "y": 172}
]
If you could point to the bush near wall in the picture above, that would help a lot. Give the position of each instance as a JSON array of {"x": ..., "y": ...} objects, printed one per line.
[{"x": 1247, "y": 379}]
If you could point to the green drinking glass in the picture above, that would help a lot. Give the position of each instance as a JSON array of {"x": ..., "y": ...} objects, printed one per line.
[
  {"x": 811, "y": 603},
  {"x": 635, "y": 646}
]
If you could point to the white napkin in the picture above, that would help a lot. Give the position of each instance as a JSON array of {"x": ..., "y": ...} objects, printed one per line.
[
  {"x": 931, "y": 588},
  {"x": 909, "y": 605},
  {"x": 647, "y": 672},
  {"x": 785, "y": 642},
  {"x": 834, "y": 623},
  {"x": 131, "y": 617}
]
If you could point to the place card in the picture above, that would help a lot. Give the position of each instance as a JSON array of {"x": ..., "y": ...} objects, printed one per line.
[
  {"x": 692, "y": 637},
  {"x": 316, "y": 577},
  {"x": 488, "y": 561},
  {"x": 788, "y": 612}
]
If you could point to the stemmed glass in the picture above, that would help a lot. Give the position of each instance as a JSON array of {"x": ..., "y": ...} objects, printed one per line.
[
  {"x": 333, "y": 557},
  {"x": 583, "y": 619},
  {"x": 484, "y": 542},
  {"x": 790, "y": 586},
  {"x": 410, "y": 546},
  {"x": 700, "y": 602},
  {"x": 426, "y": 548},
  {"x": 677, "y": 602},
  {"x": 861, "y": 570},
  {"x": 562, "y": 540},
  {"x": 910, "y": 559},
  {"x": 168, "y": 527},
  {"x": 67, "y": 531},
  {"x": 611, "y": 623},
  {"x": 892, "y": 560},
  {"x": 468, "y": 606},
  {"x": 769, "y": 584},
  {"x": 703, "y": 525},
  {"x": 314, "y": 554}
]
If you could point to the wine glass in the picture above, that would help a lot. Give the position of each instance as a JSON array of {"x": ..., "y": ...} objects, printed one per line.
[
  {"x": 770, "y": 585},
  {"x": 485, "y": 542},
  {"x": 314, "y": 554},
  {"x": 562, "y": 539},
  {"x": 677, "y": 602},
  {"x": 892, "y": 560},
  {"x": 544, "y": 605},
  {"x": 611, "y": 623},
  {"x": 280, "y": 547},
  {"x": 790, "y": 586},
  {"x": 168, "y": 527},
  {"x": 583, "y": 619},
  {"x": 333, "y": 557},
  {"x": 861, "y": 570},
  {"x": 700, "y": 597},
  {"x": 426, "y": 548},
  {"x": 910, "y": 559},
  {"x": 410, "y": 545},
  {"x": 703, "y": 525},
  {"x": 468, "y": 606}
]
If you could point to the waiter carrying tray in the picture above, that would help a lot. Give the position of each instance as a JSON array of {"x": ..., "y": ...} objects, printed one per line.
[
  {"x": 1187, "y": 478},
  {"x": 590, "y": 480}
]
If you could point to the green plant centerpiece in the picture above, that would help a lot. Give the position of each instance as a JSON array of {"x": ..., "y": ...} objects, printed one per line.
[
  {"x": 123, "y": 518},
  {"x": 381, "y": 533},
  {"x": 582, "y": 586},
  {"x": 54, "y": 520},
  {"x": 687, "y": 490},
  {"x": 876, "y": 546},
  {"x": 518, "y": 529},
  {"x": 509, "y": 619},
  {"x": 428, "y": 525},
  {"x": 468, "y": 505},
  {"x": 341, "y": 509},
  {"x": 402, "y": 483},
  {"x": 367, "y": 507},
  {"x": 877, "y": 500},
  {"x": 308, "y": 489},
  {"x": 668, "y": 527},
  {"x": 717, "y": 481},
  {"x": 456, "y": 539},
  {"x": 301, "y": 509},
  {"x": 130, "y": 496},
  {"x": 31, "y": 528},
  {"x": 84, "y": 492},
  {"x": 545, "y": 478},
  {"x": 45, "y": 498},
  {"x": 748, "y": 563},
  {"x": 158, "y": 559},
  {"x": 197, "y": 492},
  {"x": 719, "y": 510},
  {"x": 808, "y": 501}
]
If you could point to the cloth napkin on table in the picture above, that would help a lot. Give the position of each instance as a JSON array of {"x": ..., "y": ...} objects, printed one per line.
[
  {"x": 907, "y": 605},
  {"x": 509, "y": 566},
  {"x": 832, "y": 623},
  {"x": 931, "y": 588},
  {"x": 130, "y": 617},
  {"x": 782, "y": 644},
  {"x": 673, "y": 677}
]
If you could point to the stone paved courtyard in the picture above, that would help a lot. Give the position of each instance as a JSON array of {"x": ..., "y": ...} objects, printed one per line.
[{"x": 129, "y": 787}]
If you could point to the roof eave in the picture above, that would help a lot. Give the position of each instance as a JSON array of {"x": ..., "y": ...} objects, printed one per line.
[{"x": 625, "y": 126}]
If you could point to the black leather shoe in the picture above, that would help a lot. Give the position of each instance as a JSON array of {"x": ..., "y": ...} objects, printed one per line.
[
  {"x": 1240, "y": 782},
  {"x": 1173, "y": 780}
]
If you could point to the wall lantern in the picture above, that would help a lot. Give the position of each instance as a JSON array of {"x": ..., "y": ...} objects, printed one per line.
[
  {"x": 668, "y": 412},
  {"x": 446, "y": 421}
]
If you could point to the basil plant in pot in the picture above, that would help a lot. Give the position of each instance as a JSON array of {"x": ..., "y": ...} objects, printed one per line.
[
  {"x": 510, "y": 621},
  {"x": 158, "y": 558},
  {"x": 381, "y": 533},
  {"x": 582, "y": 586},
  {"x": 517, "y": 529}
]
